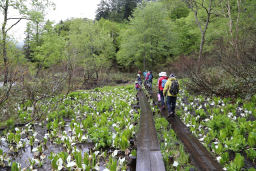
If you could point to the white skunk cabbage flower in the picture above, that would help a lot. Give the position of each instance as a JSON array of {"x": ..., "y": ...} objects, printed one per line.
[
  {"x": 175, "y": 164},
  {"x": 35, "y": 134},
  {"x": 35, "y": 150},
  {"x": 71, "y": 164},
  {"x": 84, "y": 166},
  {"x": 96, "y": 153},
  {"x": 60, "y": 163},
  {"x": 97, "y": 167},
  {"x": 121, "y": 160},
  {"x": 20, "y": 144},
  {"x": 114, "y": 153},
  {"x": 131, "y": 126},
  {"x": 114, "y": 136},
  {"x": 218, "y": 158}
]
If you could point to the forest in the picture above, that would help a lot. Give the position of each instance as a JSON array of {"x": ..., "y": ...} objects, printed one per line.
[{"x": 209, "y": 44}]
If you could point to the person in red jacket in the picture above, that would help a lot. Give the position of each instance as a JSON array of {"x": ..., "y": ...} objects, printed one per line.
[{"x": 163, "y": 79}]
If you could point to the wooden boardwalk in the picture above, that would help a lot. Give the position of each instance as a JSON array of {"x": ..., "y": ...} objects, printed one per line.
[
  {"x": 201, "y": 157},
  {"x": 149, "y": 157}
]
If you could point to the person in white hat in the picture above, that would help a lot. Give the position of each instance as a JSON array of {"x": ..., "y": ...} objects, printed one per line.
[
  {"x": 162, "y": 80},
  {"x": 159, "y": 76},
  {"x": 139, "y": 79}
]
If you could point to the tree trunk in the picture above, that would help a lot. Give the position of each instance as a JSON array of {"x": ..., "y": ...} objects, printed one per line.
[
  {"x": 70, "y": 75},
  {"x": 230, "y": 21},
  {"x": 144, "y": 59},
  {"x": 37, "y": 33},
  {"x": 237, "y": 30},
  {"x": 203, "y": 31},
  {"x": 4, "y": 51},
  {"x": 203, "y": 38}
]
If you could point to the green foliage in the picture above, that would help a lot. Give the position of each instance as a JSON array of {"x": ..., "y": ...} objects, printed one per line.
[
  {"x": 124, "y": 143},
  {"x": 236, "y": 143},
  {"x": 224, "y": 158},
  {"x": 252, "y": 139},
  {"x": 78, "y": 158},
  {"x": 90, "y": 45},
  {"x": 15, "y": 167},
  {"x": 161, "y": 123},
  {"x": 251, "y": 169},
  {"x": 10, "y": 123},
  {"x": 238, "y": 162},
  {"x": 54, "y": 162},
  {"x": 116, "y": 10},
  {"x": 221, "y": 122},
  {"x": 147, "y": 37},
  {"x": 50, "y": 51},
  {"x": 251, "y": 154},
  {"x": 112, "y": 164},
  {"x": 134, "y": 153}
]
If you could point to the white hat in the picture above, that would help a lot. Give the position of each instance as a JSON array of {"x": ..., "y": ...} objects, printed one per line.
[
  {"x": 160, "y": 74},
  {"x": 164, "y": 74},
  {"x": 138, "y": 75}
]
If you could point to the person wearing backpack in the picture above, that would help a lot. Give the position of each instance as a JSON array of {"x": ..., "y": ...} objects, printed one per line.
[
  {"x": 158, "y": 94},
  {"x": 161, "y": 84},
  {"x": 139, "y": 79},
  {"x": 171, "y": 89},
  {"x": 149, "y": 80},
  {"x": 137, "y": 85},
  {"x": 145, "y": 74}
]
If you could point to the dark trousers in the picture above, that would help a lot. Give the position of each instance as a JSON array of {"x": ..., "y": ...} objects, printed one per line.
[
  {"x": 171, "y": 103},
  {"x": 162, "y": 97}
]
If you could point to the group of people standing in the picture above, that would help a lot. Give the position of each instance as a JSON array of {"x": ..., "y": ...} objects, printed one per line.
[{"x": 168, "y": 88}]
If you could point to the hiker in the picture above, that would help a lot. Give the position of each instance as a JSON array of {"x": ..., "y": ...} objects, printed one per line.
[
  {"x": 145, "y": 74},
  {"x": 137, "y": 85},
  {"x": 161, "y": 84},
  {"x": 139, "y": 79},
  {"x": 171, "y": 89},
  {"x": 159, "y": 76},
  {"x": 158, "y": 94},
  {"x": 149, "y": 79}
]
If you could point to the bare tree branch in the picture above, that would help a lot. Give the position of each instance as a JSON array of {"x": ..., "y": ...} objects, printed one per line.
[
  {"x": 17, "y": 18},
  {"x": 13, "y": 25}
]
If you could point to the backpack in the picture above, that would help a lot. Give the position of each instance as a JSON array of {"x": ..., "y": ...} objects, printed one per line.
[
  {"x": 150, "y": 77},
  {"x": 145, "y": 74},
  {"x": 164, "y": 82},
  {"x": 174, "y": 88}
]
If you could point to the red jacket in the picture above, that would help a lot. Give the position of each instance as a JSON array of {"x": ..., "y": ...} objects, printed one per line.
[{"x": 160, "y": 82}]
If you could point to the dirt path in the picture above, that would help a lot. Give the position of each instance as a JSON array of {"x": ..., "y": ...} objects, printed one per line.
[
  {"x": 149, "y": 157},
  {"x": 201, "y": 157}
]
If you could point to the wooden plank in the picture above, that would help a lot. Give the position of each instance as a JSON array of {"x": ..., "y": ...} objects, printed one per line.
[
  {"x": 149, "y": 157},
  {"x": 143, "y": 160},
  {"x": 156, "y": 161}
]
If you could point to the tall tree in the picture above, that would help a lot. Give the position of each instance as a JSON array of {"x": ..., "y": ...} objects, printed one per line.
[
  {"x": 25, "y": 11},
  {"x": 91, "y": 46},
  {"x": 116, "y": 10},
  {"x": 147, "y": 41},
  {"x": 202, "y": 10},
  {"x": 50, "y": 51},
  {"x": 27, "y": 43}
]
